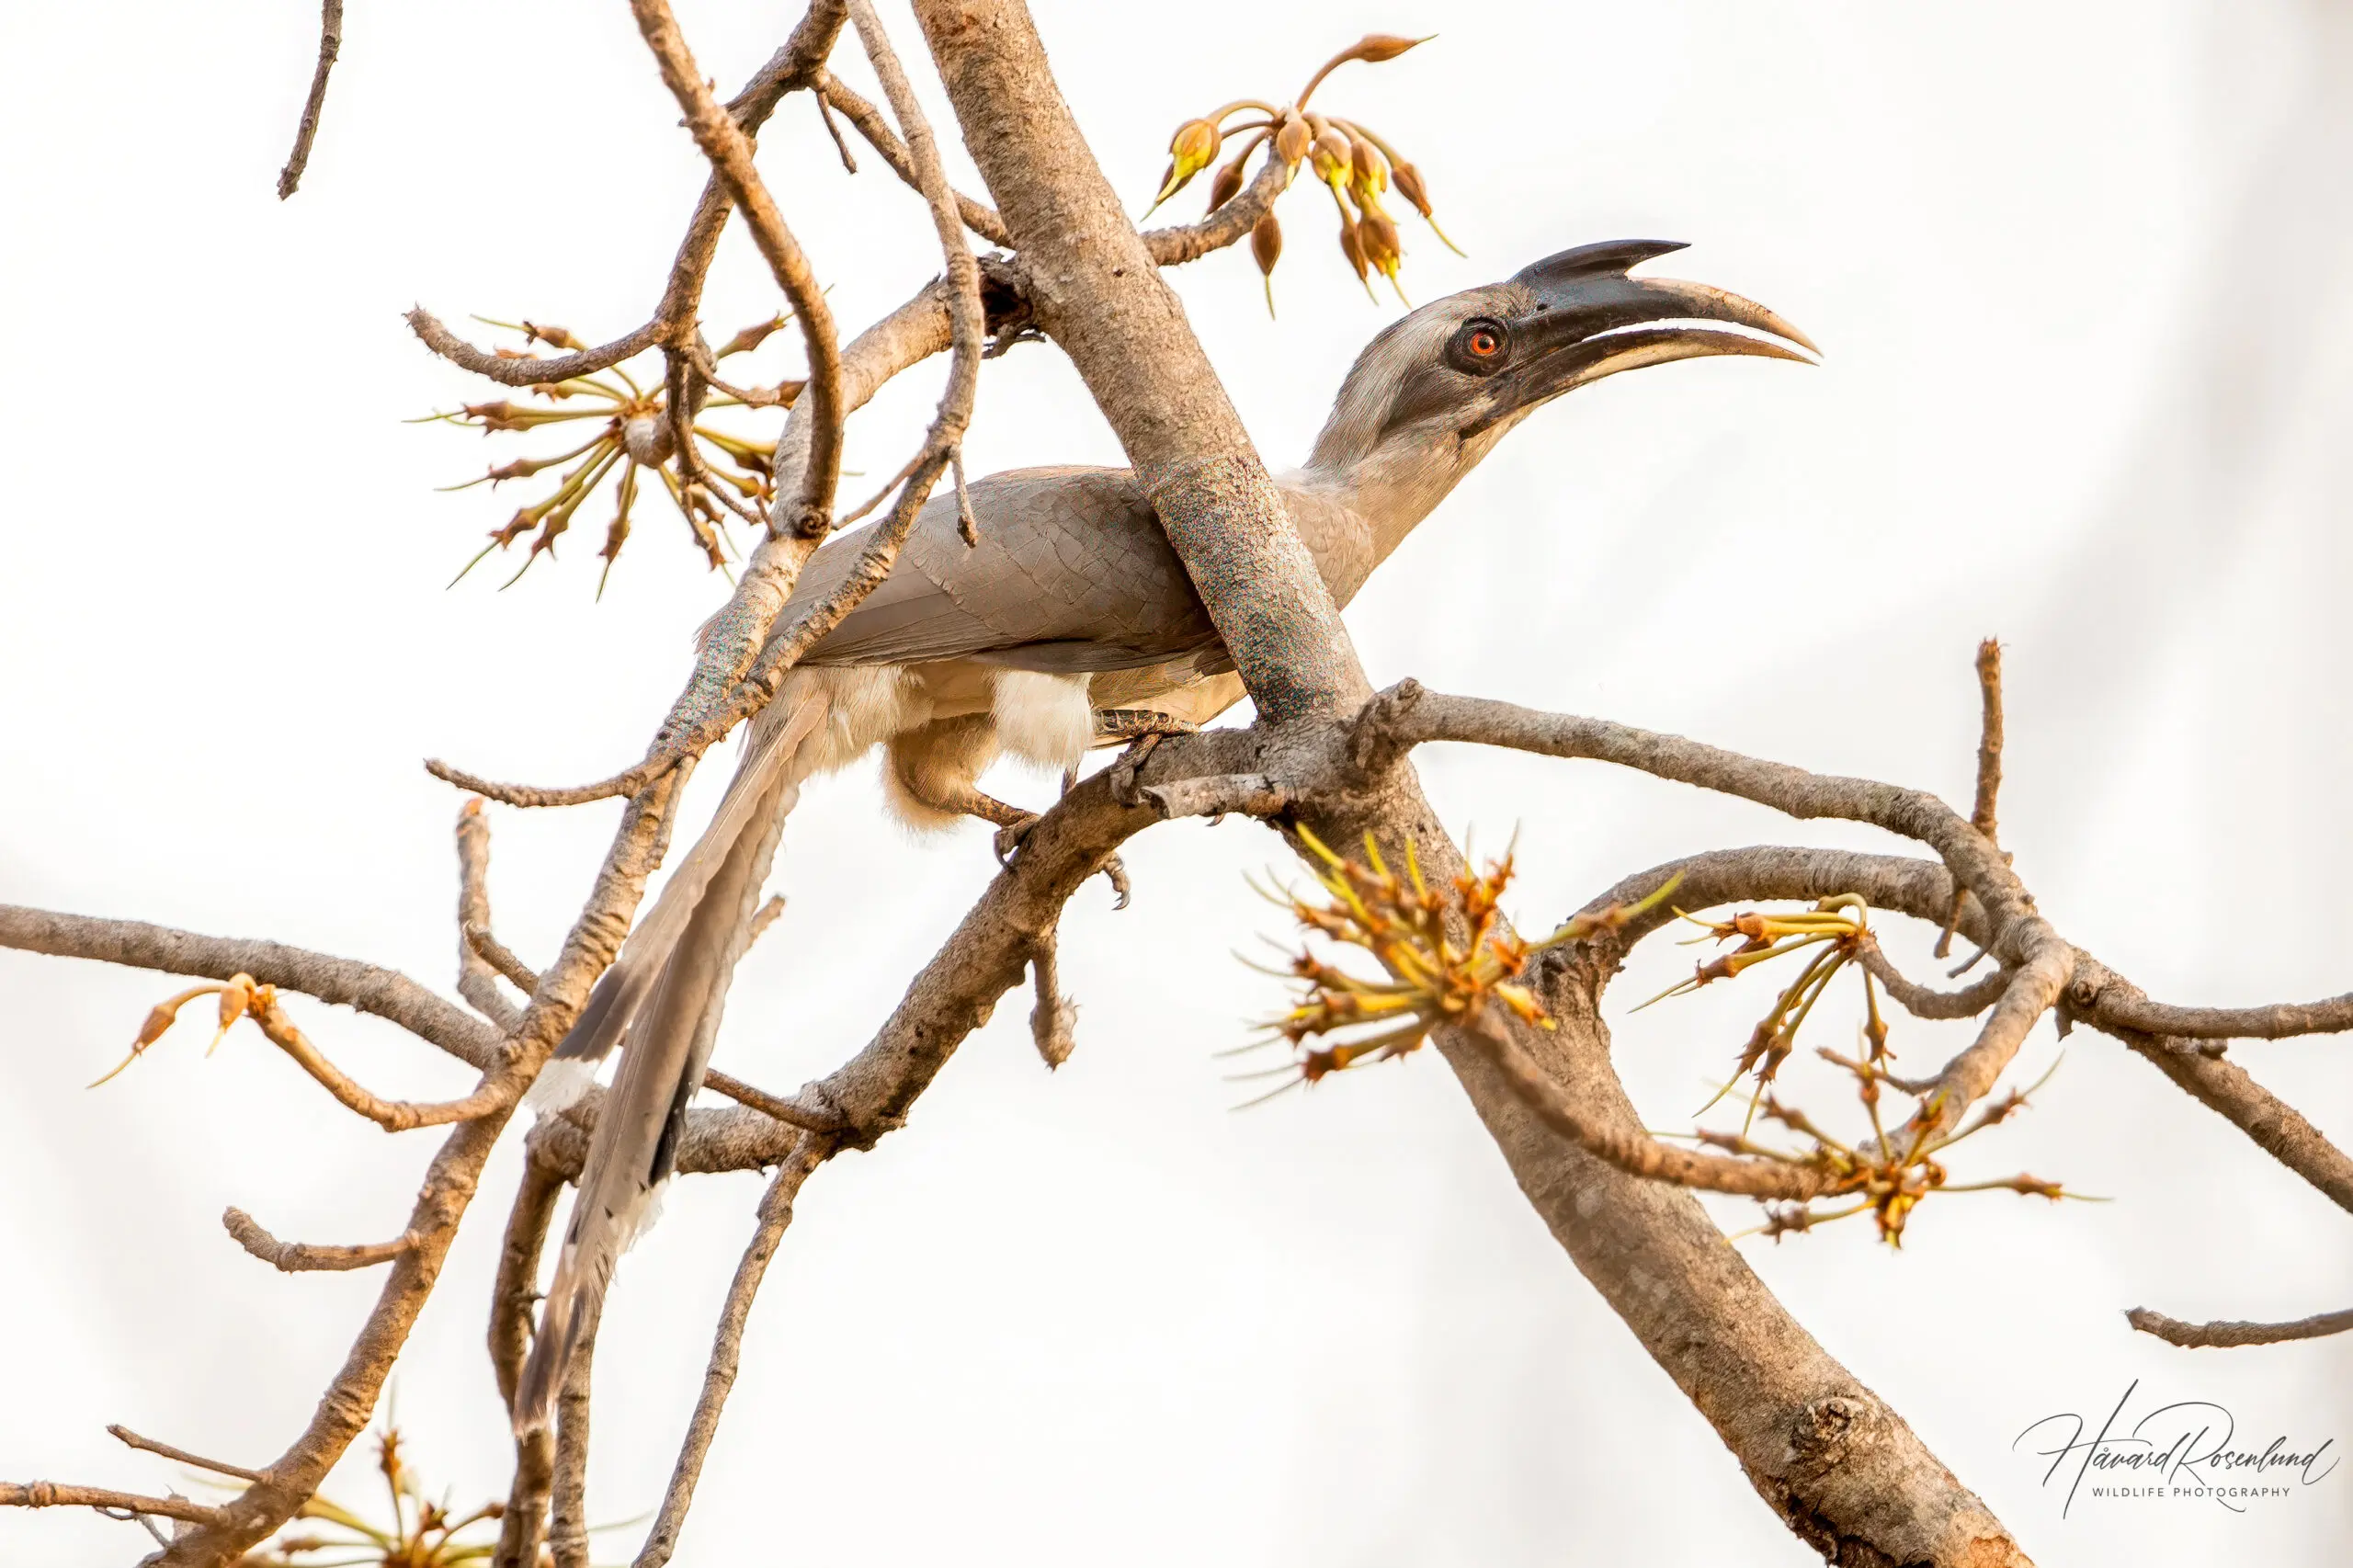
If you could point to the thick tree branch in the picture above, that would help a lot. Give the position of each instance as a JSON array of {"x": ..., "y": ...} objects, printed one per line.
[{"x": 1096, "y": 290}]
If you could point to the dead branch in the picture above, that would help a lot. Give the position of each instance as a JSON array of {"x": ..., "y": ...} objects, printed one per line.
[
  {"x": 831, "y": 92},
  {"x": 1989, "y": 765},
  {"x": 1055, "y": 1016},
  {"x": 1629, "y": 1150},
  {"x": 476, "y": 972},
  {"x": 330, "y": 45},
  {"x": 727, "y": 1347},
  {"x": 300, "y": 1257},
  {"x": 49, "y": 1494},
  {"x": 1926, "y": 1002},
  {"x": 500, "y": 958},
  {"x": 2230, "y": 1334},
  {"x": 568, "y": 1483},
  {"x": 392, "y": 1116},
  {"x": 126, "y": 1435},
  {"x": 722, "y": 142}
]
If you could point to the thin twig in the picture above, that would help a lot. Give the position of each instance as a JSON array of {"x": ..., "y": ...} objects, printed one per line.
[
  {"x": 1926, "y": 1002},
  {"x": 49, "y": 1494},
  {"x": 125, "y": 1435},
  {"x": 477, "y": 979},
  {"x": 727, "y": 1347},
  {"x": 392, "y": 1116},
  {"x": 330, "y": 45},
  {"x": 2229, "y": 1333},
  {"x": 1989, "y": 770},
  {"x": 831, "y": 93},
  {"x": 723, "y": 143},
  {"x": 502, "y": 958},
  {"x": 302, "y": 1257}
]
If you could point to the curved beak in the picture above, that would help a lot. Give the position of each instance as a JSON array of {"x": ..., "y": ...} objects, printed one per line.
[{"x": 1583, "y": 317}]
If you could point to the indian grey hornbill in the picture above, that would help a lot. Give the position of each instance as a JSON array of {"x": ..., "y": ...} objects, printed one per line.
[{"x": 1069, "y": 623}]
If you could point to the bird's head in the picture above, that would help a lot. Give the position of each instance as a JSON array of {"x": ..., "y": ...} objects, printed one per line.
[{"x": 1448, "y": 380}]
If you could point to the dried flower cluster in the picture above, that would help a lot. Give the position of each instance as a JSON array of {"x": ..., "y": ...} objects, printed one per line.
[
  {"x": 1885, "y": 1175},
  {"x": 1446, "y": 952},
  {"x": 1351, "y": 160},
  {"x": 634, "y": 432}
]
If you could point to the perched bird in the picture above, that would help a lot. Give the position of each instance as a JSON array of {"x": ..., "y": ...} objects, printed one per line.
[{"x": 1070, "y": 624}]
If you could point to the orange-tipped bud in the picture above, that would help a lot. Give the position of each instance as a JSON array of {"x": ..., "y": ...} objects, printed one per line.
[
  {"x": 1409, "y": 184},
  {"x": 160, "y": 1018},
  {"x": 1191, "y": 150},
  {"x": 1226, "y": 185},
  {"x": 1293, "y": 140},
  {"x": 1374, "y": 47},
  {"x": 1368, "y": 170},
  {"x": 554, "y": 337}
]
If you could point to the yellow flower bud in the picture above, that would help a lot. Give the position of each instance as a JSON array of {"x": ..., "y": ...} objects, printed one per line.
[
  {"x": 1191, "y": 150},
  {"x": 1370, "y": 170},
  {"x": 1335, "y": 159}
]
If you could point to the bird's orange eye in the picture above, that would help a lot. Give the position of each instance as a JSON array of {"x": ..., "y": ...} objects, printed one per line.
[{"x": 1485, "y": 343}]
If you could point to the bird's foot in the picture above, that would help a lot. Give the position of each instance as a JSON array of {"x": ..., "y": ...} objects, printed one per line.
[
  {"x": 1012, "y": 836},
  {"x": 1144, "y": 729}
]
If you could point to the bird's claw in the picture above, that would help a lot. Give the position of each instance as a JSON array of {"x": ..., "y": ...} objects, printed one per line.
[
  {"x": 1123, "y": 770},
  {"x": 1011, "y": 837}
]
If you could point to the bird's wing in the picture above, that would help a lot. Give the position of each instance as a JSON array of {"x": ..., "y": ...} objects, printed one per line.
[{"x": 1071, "y": 573}]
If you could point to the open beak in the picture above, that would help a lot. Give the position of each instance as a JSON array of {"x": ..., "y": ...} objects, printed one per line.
[{"x": 1584, "y": 318}]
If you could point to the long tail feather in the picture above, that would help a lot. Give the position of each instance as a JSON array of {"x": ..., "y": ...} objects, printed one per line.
[{"x": 655, "y": 997}]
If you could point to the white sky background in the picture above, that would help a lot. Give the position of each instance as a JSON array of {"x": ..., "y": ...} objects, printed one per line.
[{"x": 2084, "y": 278}]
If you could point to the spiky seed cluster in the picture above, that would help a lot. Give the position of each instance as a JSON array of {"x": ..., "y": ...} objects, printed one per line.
[
  {"x": 1885, "y": 1177},
  {"x": 631, "y": 434},
  {"x": 1447, "y": 951},
  {"x": 422, "y": 1533},
  {"x": 1351, "y": 160}
]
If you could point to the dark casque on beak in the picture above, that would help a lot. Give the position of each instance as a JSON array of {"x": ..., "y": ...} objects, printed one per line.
[{"x": 1582, "y": 317}]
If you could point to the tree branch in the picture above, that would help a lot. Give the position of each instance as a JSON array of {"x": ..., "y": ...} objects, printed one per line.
[
  {"x": 298, "y": 1258},
  {"x": 346, "y": 983},
  {"x": 330, "y": 45},
  {"x": 2229, "y": 1334},
  {"x": 727, "y": 1347},
  {"x": 977, "y": 216}
]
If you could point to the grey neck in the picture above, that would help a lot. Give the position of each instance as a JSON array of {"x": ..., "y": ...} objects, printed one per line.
[{"x": 1393, "y": 483}]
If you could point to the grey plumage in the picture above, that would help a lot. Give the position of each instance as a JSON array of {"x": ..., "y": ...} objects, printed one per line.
[{"x": 1071, "y": 602}]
